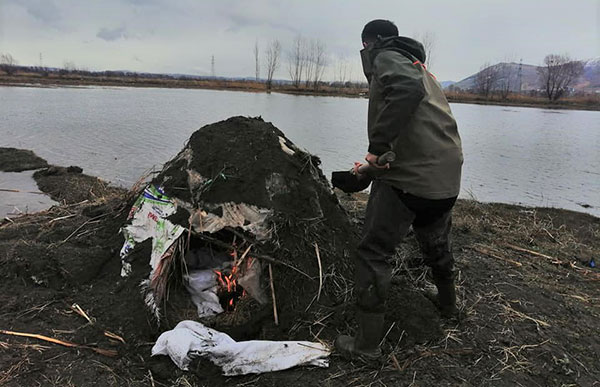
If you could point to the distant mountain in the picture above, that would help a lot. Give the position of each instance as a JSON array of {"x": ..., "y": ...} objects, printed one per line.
[
  {"x": 529, "y": 79},
  {"x": 591, "y": 75},
  {"x": 447, "y": 83}
]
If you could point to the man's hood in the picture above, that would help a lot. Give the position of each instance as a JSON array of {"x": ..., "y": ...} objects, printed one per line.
[{"x": 402, "y": 44}]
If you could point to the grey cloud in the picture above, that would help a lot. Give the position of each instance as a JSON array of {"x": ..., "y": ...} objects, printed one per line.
[
  {"x": 240, "y": 19},
  {"x": 43, "y": 10},
  {"x": 112, "y": 34}
]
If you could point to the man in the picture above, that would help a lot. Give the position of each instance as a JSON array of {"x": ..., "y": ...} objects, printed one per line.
[{"x": 409, "y": 115}]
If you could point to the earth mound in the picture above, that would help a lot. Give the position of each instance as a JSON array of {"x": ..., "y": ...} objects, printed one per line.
[{"x": 240, "y": 186}]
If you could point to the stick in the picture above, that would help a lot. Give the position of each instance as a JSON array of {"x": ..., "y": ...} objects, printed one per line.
[
  {"x": 61, "y": 218},
  {"x": 105, "y": 352},
  {"x": 320, "y": 271},
  {"x": 523, "y": 250},
  {"x": 17, "y": 190},
  {"x": 254, "y": 255},
  {"x": 276, "y": 318},
  {"x": 396, "y": 364},
  {"x": 485, "y": 251},
  {"x": 246, "y": 253},
  {"x": 114, "y": 336},
  {"x": 80, "y": 312},
  {"x": 80, "y": 227},
  {"x": 386, "y": 334}
]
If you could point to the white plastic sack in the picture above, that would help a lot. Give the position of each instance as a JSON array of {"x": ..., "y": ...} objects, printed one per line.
[
  {"x": 149, "y": 220},
  {"x": 202, "y": 286},
  {"x": 191, "y": 338}
]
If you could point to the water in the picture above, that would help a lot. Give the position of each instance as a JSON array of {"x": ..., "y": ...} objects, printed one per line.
[
  {"x": 27, "y": 200},
  {"x": 530, "y": 156}
]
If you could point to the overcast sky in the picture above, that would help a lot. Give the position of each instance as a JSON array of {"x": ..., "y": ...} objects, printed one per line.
[{"x": 180, "y": 36}]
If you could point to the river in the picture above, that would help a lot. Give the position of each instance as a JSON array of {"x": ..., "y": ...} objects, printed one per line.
[{"x": 529, "y": 156}]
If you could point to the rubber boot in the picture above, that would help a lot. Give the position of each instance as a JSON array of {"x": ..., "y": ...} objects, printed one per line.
[
  {"x": 366, "y": 343},
  {"x": 445, "y": 299}
]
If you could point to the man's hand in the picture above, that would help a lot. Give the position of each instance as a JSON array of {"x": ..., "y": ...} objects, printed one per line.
[{"x": 372, "y": 160}]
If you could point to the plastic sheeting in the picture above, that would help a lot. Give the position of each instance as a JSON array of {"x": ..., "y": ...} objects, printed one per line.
[
  {"x": 149, "y": 220},
  {"x": 191, "y": 338},
  {"x": 202, "y": 286}
]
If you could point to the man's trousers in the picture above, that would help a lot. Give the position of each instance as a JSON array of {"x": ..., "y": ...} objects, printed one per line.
[{"x": 390, "y": 213}]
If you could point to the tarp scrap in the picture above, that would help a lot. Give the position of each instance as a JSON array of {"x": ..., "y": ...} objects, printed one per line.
[
  {"x": 245, "y": 216},
  {"x": 148, "y": 218},
  {"x": 202, "y": 286},
  {"x": 191, "y": 338}
]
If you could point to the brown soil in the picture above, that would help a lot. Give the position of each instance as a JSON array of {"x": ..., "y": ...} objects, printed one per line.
[
  {"x": 18, "y": 160},
  {"x": 528, "y": 319},
  {"x": 70, "y": 185}
]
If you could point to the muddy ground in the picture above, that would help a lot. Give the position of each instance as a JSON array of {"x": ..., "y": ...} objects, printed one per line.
[
  {"x": 18, "y": 160},
  {"x": 529, "y": 298}
]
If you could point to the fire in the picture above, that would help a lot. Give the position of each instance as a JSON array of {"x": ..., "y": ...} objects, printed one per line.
[{"x": 228, "y": 283}]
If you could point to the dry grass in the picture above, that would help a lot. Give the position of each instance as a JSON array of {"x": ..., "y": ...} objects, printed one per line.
[
  {"x": 511, "y": 332},
  {"x": 588, "y": 101}
]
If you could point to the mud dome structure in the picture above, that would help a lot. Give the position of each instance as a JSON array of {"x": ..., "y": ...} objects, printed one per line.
[{"x": 245, "y": 229}]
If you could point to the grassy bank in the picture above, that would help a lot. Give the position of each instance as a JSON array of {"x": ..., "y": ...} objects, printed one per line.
[
  {"x": 586, "y": 102},
  {"x": 589, "y": 102},
  {"x": 56, "y": 79}
]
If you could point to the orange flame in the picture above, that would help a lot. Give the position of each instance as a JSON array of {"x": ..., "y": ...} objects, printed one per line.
[{"x": 228, "y": 282}]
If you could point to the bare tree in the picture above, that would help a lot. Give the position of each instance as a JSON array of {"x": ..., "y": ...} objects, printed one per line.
[
  {"x": 557, "y": 74},
  {"x": 341, "y": 72},
  {"x": 485, "y": 79},
  {"x": 296, "y": 60},
  {"x": 506, "y": 75},
  {"x": 256, "y": 61},
  {"x": 314, "y": 62},
  {"x": 8, "y": 64},
  {"x": 319, "y": 62},
  {"x": 273, "y": 54},
  {"x": 309, "y": 61},
  {"x": 427, "y": 38},
  {"x": 69, "y": 66}
]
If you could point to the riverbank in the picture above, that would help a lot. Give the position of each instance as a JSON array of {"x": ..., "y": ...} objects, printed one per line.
[
  {"x": 526, "y": 290},
  {"x": 590, "y": 102}
]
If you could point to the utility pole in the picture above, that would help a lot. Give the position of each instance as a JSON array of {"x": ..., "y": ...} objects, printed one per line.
[
  {"x": 212, "y": 66},
  {"x": 41, "y": 62}
]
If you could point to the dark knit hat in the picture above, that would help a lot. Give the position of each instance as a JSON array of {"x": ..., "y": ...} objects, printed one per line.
[{"x": 378, "y": 28}]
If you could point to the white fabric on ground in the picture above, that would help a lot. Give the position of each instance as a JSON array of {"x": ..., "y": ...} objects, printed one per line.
[{"x": 191, "y": 338}]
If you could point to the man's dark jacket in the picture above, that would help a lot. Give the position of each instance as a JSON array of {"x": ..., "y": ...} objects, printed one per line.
[{"x": 409, "y": 114}]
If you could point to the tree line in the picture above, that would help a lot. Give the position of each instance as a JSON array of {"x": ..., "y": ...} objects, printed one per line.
[{"x": 306, "y": 62}]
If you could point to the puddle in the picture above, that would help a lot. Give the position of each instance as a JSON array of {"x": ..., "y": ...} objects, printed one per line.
[{"x": 23, "y": 202}]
